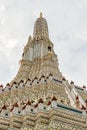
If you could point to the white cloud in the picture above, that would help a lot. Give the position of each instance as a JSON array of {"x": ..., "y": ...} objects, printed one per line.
[{"x": 67, "y": 21}]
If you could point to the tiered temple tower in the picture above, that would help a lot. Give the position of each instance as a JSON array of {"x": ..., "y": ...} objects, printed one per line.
[
  {"x": 39, "y": 97},
  {"x": 38, "y": 56}
]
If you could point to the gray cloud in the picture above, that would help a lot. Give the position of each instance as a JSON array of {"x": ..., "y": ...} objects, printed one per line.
[{"x": 67, "y": 21}]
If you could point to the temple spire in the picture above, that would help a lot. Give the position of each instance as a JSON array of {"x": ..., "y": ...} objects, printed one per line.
[
  {"x": 38, "y": 57},
  {"x": 41, "y": 28}
]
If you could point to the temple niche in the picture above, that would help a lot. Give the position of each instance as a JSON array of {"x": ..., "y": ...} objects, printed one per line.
[{"x": 39, "y": 97}]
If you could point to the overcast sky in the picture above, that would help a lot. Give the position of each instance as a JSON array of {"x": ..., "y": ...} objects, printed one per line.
[{"x": 67, "y": 22}]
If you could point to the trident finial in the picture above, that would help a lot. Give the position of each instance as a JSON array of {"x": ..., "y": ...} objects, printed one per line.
[{"x": 41, "y": 15}]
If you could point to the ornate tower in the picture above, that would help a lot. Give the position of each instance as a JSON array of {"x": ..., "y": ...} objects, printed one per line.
[
  {"x": 39, "y": 98},
  {"x": 38, "y": 56}
]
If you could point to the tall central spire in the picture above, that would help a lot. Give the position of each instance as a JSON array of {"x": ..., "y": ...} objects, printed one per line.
[
  {"x": 38, "y": 56},
  {"x": 41, "y": 28}
]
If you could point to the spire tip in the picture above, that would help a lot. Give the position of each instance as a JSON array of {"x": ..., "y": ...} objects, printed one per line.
[{"x": 41, "y": 14}]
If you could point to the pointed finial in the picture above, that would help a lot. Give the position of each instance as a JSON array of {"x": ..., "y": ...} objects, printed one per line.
[{"x": 41, "y": 15}]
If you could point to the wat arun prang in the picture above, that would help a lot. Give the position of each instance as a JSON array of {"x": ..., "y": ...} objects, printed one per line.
[{"x": 39, "y": 97}]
